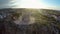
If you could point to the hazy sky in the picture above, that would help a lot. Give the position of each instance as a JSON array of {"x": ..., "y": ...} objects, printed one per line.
[{"x": 55, "y": 4}]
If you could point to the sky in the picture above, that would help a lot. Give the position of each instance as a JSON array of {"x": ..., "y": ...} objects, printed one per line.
[{"x": 48, "y": 4}]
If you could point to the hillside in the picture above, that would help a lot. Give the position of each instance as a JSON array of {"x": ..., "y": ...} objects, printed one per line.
[{"x": 29, "y": 21}]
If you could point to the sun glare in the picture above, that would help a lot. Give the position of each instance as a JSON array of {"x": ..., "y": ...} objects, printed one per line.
[
  {"x": 36, "y": 4},
  {"x": 30, "y": 4}
]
